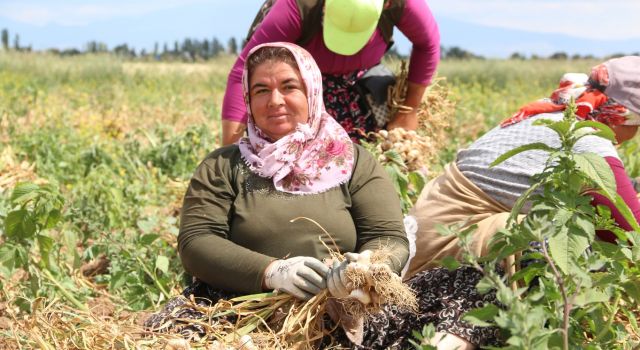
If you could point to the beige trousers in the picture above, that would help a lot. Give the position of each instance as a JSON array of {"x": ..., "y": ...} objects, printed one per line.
[{"x": 451, "y": 199}]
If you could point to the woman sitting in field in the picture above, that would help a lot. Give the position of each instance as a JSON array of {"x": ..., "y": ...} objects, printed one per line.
[
  {"x": 473, "y": 192},
  {"x": 235, "y": 233}
]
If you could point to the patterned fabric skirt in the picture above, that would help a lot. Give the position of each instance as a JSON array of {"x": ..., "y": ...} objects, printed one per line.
[
  {"x": 345, "y": 102},
  {"x": 443, "y": 298}
]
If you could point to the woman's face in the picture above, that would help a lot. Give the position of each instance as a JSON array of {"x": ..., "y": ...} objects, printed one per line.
[{"x": 278, "y": 98}]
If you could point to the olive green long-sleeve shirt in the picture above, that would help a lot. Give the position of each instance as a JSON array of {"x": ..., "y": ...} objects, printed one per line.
[{"x": 234, "y": 223}]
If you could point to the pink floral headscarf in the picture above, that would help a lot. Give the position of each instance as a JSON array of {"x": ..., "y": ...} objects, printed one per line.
[{"x": 314, "y": 158}]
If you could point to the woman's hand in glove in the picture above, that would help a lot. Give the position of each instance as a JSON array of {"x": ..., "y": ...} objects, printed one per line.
[
  {"x": 301, "y": 276},
  {"x": 337, "y": 282}
]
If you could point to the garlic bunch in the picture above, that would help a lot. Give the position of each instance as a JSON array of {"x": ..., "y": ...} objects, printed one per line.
[{"x": 415, "y": 150}]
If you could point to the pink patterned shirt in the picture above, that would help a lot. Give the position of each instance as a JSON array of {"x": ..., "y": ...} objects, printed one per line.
[{"x": 283, "y": 23}]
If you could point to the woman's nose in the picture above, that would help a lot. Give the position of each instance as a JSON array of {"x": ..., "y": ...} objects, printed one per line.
[{"x": 276, "y": 98}]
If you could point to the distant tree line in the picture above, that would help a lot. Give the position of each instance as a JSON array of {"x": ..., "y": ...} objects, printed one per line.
[
  {"x": 4, "y": 37},
  {"x": 187, "y": 50},
  {"x": 191, "y": 50}
]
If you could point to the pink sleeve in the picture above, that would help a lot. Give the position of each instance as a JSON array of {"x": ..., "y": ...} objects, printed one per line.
[
  {"x": 282, "y": 23},
  {"x": 628, "y": 194},
  {"x": 420, "y": 27}
]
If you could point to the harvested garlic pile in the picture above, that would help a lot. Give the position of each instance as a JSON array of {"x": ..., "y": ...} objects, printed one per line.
[
  {"x": 373, "y": 284},
  {"x": 415, "y": 150}
]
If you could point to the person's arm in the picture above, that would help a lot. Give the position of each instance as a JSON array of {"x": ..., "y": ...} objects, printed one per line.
[
  {"x": 203, "y": 244},
  {"x": 408, "y": 120},
  {"x": 375, "y": 209},
  {"x": 282, "y": 23},
  {"x": 626, "y": 191},
  {"x": 419, "y": 26}
]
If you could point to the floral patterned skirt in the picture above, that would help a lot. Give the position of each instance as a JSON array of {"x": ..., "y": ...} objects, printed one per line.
[
  {"x": 443, "y": 298},
  {"x": 345, "y": 102}
]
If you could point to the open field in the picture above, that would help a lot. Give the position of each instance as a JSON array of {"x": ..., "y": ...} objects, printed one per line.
[{"x": 118, "y": 141}]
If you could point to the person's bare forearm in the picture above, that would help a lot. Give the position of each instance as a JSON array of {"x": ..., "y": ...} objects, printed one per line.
[
  {"x": 409, "y": 120},
  {"x": 231, "y": 131}
]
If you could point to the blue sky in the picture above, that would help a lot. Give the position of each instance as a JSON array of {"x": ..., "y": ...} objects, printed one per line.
[{"x": 492, "y": 28}]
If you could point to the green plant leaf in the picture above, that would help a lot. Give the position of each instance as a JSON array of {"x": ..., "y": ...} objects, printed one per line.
[
  {"x": 417, "y": 179},
  {"x": 623, "y": 208},
  {"x": 479, "y": 316},
  {"x": 632, "y": 288},
  {"x": 450, "y": 263},
  {"x": 394, "y": 157},
  {"x": 586, "y": 225},
  {"x": 23, "y": 192},
  {"x": 13, "y": 222},
  {"x": 484, "y": 286},
  {"x": 603, "y": 130},
  {"x": 529, "y": 273},
  {"x": 46, "y": 243},
  {"x": 148, "y": 238},
  {"x": 528, "y": 147},
  {"x": 595, "y": 168},
  {"x": 517, "y": 207},
  {"x": 162, "y": 263},
  {"x": 559, "y": 251},
  {"x": 590, "y": 296},
  {"x": 578, "y": 242},
  {"x": 561, "y": 127},
  {"x": 19, "y": 224}
]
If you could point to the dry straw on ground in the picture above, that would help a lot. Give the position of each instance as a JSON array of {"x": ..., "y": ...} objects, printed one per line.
[
  {"x": 260, "y": 321},
  {"x": 13, "y": 171}
]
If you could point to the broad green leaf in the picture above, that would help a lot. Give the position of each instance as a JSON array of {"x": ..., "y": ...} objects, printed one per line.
[
  {"x": 578, "y": 242},
  {"x": 394, "y": 157},
  {"x": 517, "y": 207},
  {"x": 528, "y": 147},
  {"x": 632, "y": 288},
  {"x": 529, "y": 273},
  {"x": 590, "y": 296},
  {"x": 13, "y": 222},
  {"x": 586, "y": 225},
  {"x": 561, "y": 217},
  {"x": 559, "y": 251},
  {"x": 603, "y": 130},
  {"x": 148, "y": 238},
  {"x": 418, "y": 180},
  {"x": 597, "y": 170},
  {"x": 484, "y": 286},
  {"x": 450, "y": 263},
  {"x": 10, "y": 258},
  {"x": 626, "y": 213},
  {"x": 561, "y": 127},
  {"x": 21, "y": 190},
  {"x": 162, "y": 263},
  {"x": 544, "y": 122},
  {"x": 479, "y": 316},
  {"x": 53, "y": 217},
  {"x": 45, "y": 243}
]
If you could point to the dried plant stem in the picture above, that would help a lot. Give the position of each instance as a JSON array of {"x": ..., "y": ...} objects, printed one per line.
[
  {"x": 64, "y": 291},
  {"x": 335, "y": 246}
]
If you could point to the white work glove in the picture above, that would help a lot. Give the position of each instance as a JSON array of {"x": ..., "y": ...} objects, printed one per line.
[
  {"x": 301, "y": 276},
  {"x": 337, "y": 282}
]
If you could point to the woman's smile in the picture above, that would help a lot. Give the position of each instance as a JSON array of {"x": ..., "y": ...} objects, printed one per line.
[{"x": 278, "y": 99}]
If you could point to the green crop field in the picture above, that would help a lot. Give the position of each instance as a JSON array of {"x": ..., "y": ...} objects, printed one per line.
[{"x": 109, "y": 146}]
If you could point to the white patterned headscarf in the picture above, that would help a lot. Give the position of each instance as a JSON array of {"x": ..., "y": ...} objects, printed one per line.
[{"x": 316, "y": 156}]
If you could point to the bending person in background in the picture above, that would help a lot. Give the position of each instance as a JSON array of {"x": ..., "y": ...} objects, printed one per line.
[
  {"x": 346, "y": 38},
  {"x": 472, "y": 192},
  {"x": 236, "y": 237}
]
